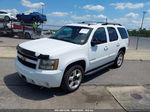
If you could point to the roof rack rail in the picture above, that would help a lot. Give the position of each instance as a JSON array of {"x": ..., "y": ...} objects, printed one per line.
[
  {"x": 88, "y": 22},
  {"x": 94, "y": 22},
  {"x": 111, "y": 24}
]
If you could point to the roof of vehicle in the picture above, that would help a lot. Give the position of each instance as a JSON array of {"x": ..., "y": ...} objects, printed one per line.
[
  {"x": 95, "y": 24},
  {"x": 1, "y": 11}
]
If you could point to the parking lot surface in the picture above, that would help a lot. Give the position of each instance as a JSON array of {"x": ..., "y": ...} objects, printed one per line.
[
  {"x": 15, "y": 93},
  {"x": 117, "y": 90}
]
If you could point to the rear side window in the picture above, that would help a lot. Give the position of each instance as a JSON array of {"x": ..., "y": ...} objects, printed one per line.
[
  {"x": 112, "y": 34},
  {"x": 123, "y": 33},
  {"x": 100, "y": 35}
]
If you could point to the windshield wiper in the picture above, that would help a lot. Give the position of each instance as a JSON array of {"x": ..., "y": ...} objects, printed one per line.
[
  {"x": 59, "y": 39},
  {"x": 65, "y": 40}
]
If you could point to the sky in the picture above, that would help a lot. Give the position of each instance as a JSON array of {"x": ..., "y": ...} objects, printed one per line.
[{"x": 59, "y": 12}]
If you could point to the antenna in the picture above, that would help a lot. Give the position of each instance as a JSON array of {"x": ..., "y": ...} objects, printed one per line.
[{"x": 106, "y": 20}]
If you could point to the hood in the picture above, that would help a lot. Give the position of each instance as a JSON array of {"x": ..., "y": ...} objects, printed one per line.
[{"x": 49, "y": 46}]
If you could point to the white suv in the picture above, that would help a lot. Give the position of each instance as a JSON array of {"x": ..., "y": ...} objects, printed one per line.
[{"x": 75, "y": 50}]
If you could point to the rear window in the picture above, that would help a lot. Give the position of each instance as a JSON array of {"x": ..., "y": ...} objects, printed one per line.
[{"x": 123, "y": 33}]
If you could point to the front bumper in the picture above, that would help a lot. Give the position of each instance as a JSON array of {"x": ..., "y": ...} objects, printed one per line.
[{"x": 45, "y": 78}]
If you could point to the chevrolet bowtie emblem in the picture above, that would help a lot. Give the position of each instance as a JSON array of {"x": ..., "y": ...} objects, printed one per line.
[{"x": 22, "y": 58}]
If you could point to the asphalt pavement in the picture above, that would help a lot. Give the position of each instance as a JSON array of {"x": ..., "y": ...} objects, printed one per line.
[
  {"x": 113, "y": 90},
  {"x": 94, "y": 93}
]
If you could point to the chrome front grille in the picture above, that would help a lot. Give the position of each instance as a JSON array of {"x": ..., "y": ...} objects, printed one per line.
[{"x": 27, "y": 58}]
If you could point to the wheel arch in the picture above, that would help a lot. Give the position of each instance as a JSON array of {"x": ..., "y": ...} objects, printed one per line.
[
  {"x": 123, "y": 49},
  {"x": 82, "y": 63}
]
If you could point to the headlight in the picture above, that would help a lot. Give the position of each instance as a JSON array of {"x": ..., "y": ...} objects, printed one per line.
[{"x": 49, "y": 64}]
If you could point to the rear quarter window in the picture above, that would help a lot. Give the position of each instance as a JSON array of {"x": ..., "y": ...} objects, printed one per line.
[{"x": 123, "y": 33}]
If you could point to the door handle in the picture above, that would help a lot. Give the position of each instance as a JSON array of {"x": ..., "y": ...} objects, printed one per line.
[
  {"x": 105, "y": 48},
  {"x": 118, "y": 45}
]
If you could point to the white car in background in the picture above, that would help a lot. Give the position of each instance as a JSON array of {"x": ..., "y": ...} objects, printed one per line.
[{"x": 6, "y": 16}]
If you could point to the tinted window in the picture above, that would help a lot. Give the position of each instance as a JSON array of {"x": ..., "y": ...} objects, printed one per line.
[
  {"x": 123, "y": 33},
  {"x": 112, "y": 34},
  {"x": 100, "y": 35}
]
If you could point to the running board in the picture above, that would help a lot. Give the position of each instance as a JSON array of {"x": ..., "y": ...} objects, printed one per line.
[{"x": 99, "y": 68}]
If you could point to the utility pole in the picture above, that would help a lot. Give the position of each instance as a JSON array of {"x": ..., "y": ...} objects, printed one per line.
[
  {"x": 42, "y": 8},
  {"x": 144, "y": 12},
  {"x": 137, "y": 44},
  {"x": 42, "y": 13}
]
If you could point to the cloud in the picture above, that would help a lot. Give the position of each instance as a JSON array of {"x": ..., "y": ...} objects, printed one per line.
[
  {"x": 124, "y": 21},
  {"x": 29, "y": 4},
  {"x": 132, "y": 15},
  {"x": 148, "y": 3},
  {"x": 118, "y": 20},
  {"x": 59, "y": 14},
  {"x": 148, "y": 11},
  {"x": 127, "y": 5},
  {"x": 88, "y": 17},
  {"x": 136, "y": 23},
  {"x": 85, "y": 17},
  {"x": 131, "y": 23},
  {"x": 101, "y": 16},
  {"x": 94, "y": 7},
  {"x": 58, "y": 23},
  {"x": 30, "y": 11}
]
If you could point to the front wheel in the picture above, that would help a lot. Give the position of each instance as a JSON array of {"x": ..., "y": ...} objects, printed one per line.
[
  {"x": 6, "y": 18},
  {"x": 72, "y": 78},
  {"x": 119, "y": 59},
  {"x": 27, "y": 36}
]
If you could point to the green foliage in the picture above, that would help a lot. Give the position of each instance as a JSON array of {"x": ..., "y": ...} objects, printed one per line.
[{"x": 140, "y": 33}]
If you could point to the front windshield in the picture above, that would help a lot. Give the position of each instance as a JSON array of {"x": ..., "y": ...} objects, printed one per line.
[{"x": 73, "y": 34}]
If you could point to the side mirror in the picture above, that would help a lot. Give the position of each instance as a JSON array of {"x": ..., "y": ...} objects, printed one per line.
[{"x": 94, "y": 42}]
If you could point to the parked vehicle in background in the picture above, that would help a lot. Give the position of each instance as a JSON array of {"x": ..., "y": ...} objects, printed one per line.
[
  {"x": 22, "y": 30},
  {"x": 6, "y": 16},
  {"x": 34, "y": 16},
  {"x": 75, "y": 50},
  {"x": 26, "y": 30}
]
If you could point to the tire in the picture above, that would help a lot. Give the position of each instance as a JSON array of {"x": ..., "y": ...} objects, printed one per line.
[
  {"x": 27, "y": 36},
  {"x": 72, "y": 78},
  {"x": 6, "y": 18},
  {"x": 119, "y": 59}
]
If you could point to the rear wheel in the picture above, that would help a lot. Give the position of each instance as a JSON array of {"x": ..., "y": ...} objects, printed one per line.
[
  {"x": 72, "y": 78},
  {"x": 119, "y": 60}
]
